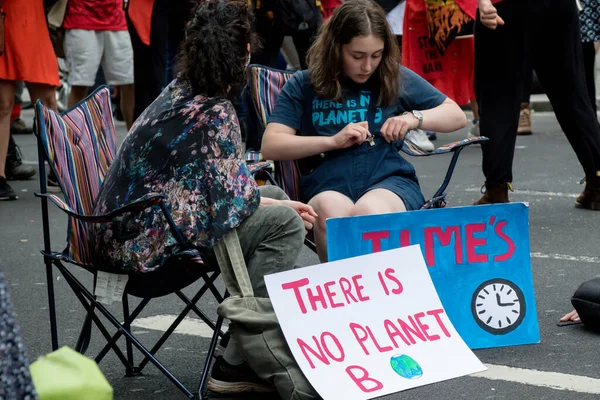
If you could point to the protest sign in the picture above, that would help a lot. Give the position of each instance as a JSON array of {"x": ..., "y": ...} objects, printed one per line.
[
  {"x": 368, "y": 326},
  {"x": 478, "y": 259}
]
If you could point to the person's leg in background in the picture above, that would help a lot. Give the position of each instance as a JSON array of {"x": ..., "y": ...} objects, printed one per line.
[
  {"x": 7, "y": 98},
  {"x": 303, "y": 40},
  {"x": 47, "y": 94},
  {"x": 500, "y": 57},
  {"x": 17, "y": 125},
  {"x": 150, "y": 59},
  {"x": 14, "y": 167},
  {"x": 117, "y": 63},
  {"x": 474, "y": 129},
  {"x": 288, "y": 49},
  {"x": 589, "y": 60},
  {"x": 556, "y": 30},
  {"x": 524, "y": 127},
  {"x": 271, "y": 240},
  {"x": 127, "y": 103},
  {"x": 271, "y": 37},
  {"x": 83, "y": 49},
  {"x": 179, "y": 14}
]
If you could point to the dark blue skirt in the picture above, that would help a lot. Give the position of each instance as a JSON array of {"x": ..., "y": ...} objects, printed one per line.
[{"x": 359, "y": 169}]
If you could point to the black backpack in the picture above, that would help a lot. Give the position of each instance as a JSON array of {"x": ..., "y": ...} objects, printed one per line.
[{"x": 293, "y": 15}]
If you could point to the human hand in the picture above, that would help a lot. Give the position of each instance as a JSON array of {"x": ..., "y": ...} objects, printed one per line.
[
  {"x": 306, "y": 212},
  {"x": 489, "y": 15},
  {"x": 573, "y": 316},
  {"x": 395, "y": 128},
  {"x": 353, "y": 133}
]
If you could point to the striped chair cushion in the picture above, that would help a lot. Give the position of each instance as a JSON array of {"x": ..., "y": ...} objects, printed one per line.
[
  {"x": 265, "y": 84},
  {"x": 80, "y": 146}
]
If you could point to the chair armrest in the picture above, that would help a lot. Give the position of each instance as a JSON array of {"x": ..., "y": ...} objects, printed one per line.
[
  {"x": 148, "y": 200},
  {"x": 142, "y": 203},
  {"x": 412, "y": 149},
  {"x": 256, "y": 167}
]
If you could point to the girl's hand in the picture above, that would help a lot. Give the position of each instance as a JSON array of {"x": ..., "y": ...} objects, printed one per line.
[
  {"x": 353, "y": 133},
  {"x": 306, "y": 212},
  {"x": 395, "y": 128}
]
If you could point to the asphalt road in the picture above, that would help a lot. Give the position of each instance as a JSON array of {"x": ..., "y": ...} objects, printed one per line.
[{"x": 565, "y": 252}]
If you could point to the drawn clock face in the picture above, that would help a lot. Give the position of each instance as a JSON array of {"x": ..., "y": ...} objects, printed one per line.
[{"x": 498, "y": 306}]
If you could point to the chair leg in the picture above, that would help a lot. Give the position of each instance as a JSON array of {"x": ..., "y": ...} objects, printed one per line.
[
  {"x": 117, "y": 335},
  {"x": 51, "y": 305},
  {"x": 80, "y": 292},
  {"x": 175, "y": 324},
  {"x": 209, "y": 356},
  {"x": 86, "y": 333},
  {"x": 133, "y": 371}
]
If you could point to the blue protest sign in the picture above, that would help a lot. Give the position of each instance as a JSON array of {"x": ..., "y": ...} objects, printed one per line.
[{"x": 478, "y": 259}]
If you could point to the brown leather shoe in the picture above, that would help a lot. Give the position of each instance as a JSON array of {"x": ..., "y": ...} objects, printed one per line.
[
  {"x": 495, "y": 194},
  {"x": 590, "y": 197}
]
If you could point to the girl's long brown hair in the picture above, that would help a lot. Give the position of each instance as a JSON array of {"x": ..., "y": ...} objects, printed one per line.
[{"x": 351, "y": 19}]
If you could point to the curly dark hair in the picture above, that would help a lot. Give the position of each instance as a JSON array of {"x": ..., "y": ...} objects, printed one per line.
[
  {"x": 214, "y": 53},
  {"x": 351, "y": 19}
]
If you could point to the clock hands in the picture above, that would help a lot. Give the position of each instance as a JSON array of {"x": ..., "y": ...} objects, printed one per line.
[{"x": 502, "y": 304}]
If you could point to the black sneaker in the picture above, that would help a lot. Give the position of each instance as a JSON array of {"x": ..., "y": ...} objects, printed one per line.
[
  {"x": 15, "y": 169},
  {"x": 235, "y": 379},
  {"x": 52, "y": 185},
  {"x": 6, "y": 192}
]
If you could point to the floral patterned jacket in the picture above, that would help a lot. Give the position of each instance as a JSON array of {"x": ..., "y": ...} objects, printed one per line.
[{"x": 188, "y": 148}]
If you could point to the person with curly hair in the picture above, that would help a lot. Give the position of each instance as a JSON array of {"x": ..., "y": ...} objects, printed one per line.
[
  {"x": 347, "y": 115},
  {"x": 187, "y": 146}
]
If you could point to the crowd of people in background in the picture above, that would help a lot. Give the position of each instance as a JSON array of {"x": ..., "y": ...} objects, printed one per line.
[{"x": 120, "y": 43}]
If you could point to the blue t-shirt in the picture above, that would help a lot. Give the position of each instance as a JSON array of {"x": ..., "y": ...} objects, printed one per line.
[{"x": 330, "y": 117}]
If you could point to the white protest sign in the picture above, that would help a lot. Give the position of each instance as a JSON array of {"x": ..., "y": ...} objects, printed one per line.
[{"x": 368, "y": 326}]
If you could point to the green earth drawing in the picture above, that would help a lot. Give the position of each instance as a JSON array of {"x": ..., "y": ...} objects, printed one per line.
[{"x": 406, "y": 366}]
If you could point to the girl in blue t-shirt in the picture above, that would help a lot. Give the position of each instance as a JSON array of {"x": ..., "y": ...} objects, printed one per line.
[{"x": 352, "y": 109}]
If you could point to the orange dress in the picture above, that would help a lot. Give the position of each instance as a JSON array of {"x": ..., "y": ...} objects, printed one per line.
[{"x": 28, "y": 53}]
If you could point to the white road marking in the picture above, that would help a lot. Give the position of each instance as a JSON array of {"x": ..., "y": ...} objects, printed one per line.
[
  {"x": 534, "y": 193},
  {"x": 566, "y": 257},
  {"x": 189, "y": 326},
  {"x": 552, "y": 380}
]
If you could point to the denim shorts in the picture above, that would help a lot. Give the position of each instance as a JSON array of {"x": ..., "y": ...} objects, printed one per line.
[{"x": 357, "y": 170}]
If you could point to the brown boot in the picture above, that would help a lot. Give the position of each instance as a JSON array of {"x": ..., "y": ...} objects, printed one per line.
[
  {"x": 495, "y": 194},
  {"x": 590, "y": 197},
  {"x": 524, "y": 120}
]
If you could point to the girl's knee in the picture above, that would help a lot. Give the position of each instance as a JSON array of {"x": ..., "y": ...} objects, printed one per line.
[{"x": 365, "y": 208}]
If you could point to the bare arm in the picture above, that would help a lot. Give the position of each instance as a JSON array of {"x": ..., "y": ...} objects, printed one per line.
[
  {"x": 280, "y": 142},
  {"x": 447, "y": 117}
]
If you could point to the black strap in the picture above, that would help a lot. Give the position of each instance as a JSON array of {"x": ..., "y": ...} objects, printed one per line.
[
  {"x": 308, "y": 93},
  {"x": 372, "y": 108}
]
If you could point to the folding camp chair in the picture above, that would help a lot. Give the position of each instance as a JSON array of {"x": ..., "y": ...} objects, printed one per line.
[
  {"x": 79, "y": 146},
  {"x": 264, "y": 85}
]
